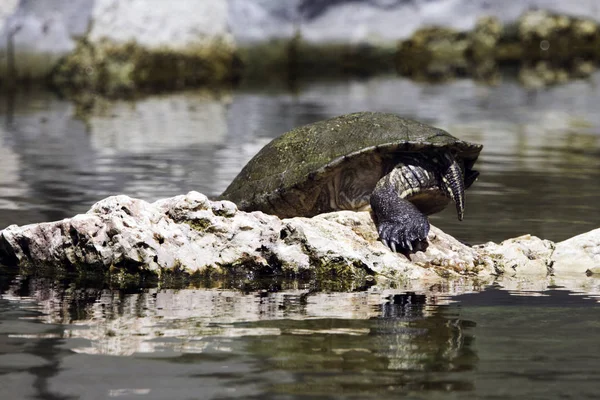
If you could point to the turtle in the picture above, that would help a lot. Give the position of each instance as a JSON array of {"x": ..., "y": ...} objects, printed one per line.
[{"x": 401, "y": 169}]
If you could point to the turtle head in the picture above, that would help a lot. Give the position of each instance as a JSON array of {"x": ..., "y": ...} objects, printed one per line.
[{"x": 453, "y": 183}]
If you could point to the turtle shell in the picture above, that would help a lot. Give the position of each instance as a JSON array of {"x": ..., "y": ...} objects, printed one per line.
[{"x": 286, "y": 176}]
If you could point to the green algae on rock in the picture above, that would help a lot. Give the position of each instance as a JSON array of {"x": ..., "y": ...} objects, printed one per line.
[
  {"x": 111, "y": 68},
  {"x": 563, "y": 43}
]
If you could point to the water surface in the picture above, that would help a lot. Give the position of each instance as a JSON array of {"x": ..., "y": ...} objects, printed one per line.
[
  {"x": 539, "y": 167},
  {"x": 539, "y": 175},
  {"x": 59, "y": 342}
]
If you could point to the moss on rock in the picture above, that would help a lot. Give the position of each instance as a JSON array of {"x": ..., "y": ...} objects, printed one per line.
[
  {"x": 111, "y": 68},
  {"x": 562, "y": 43},
  {"x": 558, "y": 37},
  {"x": 433, "y": 53}
]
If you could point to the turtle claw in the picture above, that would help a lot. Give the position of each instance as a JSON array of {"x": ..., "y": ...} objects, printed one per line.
[
  {"x": 403, "y": 238},
  {"x": 401, "y": 226}
]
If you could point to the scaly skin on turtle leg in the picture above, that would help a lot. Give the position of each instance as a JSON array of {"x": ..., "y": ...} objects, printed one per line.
[{"x": 401, "y": 226}]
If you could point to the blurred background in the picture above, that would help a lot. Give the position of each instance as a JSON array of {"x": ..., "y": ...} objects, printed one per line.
[{"x": 154, "y": 99}]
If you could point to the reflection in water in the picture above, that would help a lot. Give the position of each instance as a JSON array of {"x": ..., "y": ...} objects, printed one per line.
[
  {"x": 62, "y": 165},
  {"x": 146, "y": 320},
  {"x": 539, "y": 166},
  {"x": 57, "y": 339},
  {"x": 367, "y": 343}
]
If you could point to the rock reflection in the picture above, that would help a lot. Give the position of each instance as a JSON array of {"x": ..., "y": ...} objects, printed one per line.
[
  {"x": 539, "y": 144},
  {"x": 61, "y": 159},
  {"x": 367, "y": 341},
  {"x": 394, "y": 350},
  {"x": 294, "y": 342}
]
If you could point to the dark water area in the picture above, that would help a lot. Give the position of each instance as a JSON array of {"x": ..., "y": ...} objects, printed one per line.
[
  {"x": 61, "y": 342},
  {"x": 539, "y": 175}
]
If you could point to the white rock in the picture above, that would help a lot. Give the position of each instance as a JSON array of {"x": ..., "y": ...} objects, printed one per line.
[
  {"x": 158, "y": 24},
  {"x": 523, "y": 255},
  {"x": 190, "y": 233},
  {"x": 377, "y": 21},
  {"x": 34, "y": 37},
  {"x": 7, "y": 7},
  {"x": 40, "y": 33},
  {"x": 578, "y": 254}
]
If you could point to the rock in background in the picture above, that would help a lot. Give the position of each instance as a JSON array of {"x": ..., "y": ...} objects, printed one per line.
[
  {"x": 35, "y": 35},
  {"x": 112, "y": 46},
  {"x": 377, "y": 21}
]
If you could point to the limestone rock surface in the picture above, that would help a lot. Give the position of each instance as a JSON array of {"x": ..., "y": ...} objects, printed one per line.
[
  {"x": 35, "y": 36},
  {"x": 192, "y": 234},
  {"x": 579, "y": 252}
]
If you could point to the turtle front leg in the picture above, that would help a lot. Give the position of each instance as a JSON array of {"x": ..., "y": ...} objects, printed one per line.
[{"x": 401, "y": 226}]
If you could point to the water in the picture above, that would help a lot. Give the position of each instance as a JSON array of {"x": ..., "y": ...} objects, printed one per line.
[
  {"x": 539, "y": 175},
  {"x": 539, "y": 167},
  {"x": 58, "y": 341}
]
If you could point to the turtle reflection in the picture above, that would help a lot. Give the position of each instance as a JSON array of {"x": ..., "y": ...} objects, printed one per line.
[{"x": 417, "y": 339}]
